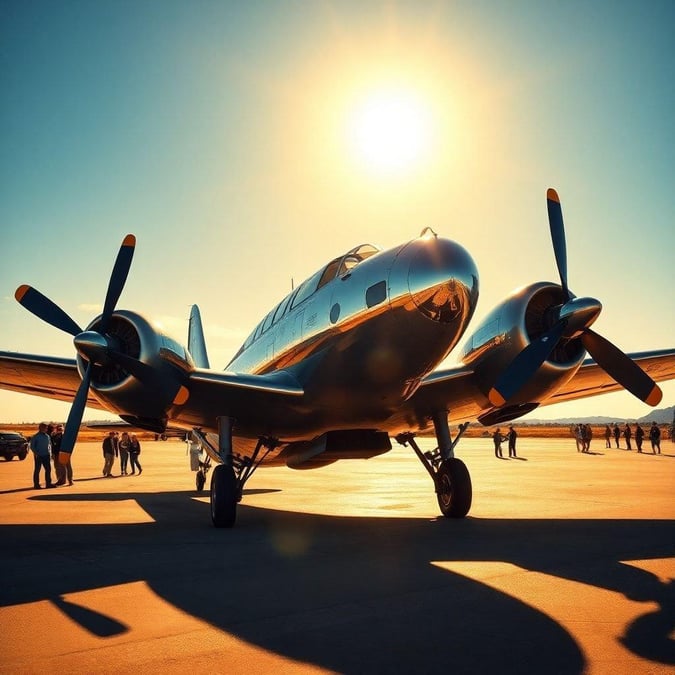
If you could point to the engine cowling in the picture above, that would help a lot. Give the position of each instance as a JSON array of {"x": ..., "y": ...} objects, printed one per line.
[
  {"x": 514, "y": 324},
  {"x": 149, "y": 394}
]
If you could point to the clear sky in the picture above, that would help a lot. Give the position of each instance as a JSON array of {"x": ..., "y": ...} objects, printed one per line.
[{"x": 247, "y": 143}]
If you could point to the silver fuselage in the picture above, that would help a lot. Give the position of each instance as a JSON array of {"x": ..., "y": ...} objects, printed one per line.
[{"x": 361, "y": 340}]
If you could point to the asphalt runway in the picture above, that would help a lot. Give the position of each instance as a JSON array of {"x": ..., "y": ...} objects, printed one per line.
[{"x": 564, "y": 565}]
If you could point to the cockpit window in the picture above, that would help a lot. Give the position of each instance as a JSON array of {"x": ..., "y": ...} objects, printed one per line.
[
  {"x": 348, "y": 264},
  {"x": 343, "y": 265},
  {"x": 306, "y": 289},
  {"x": 364, "y": 251},
  {"x": 329, "y": 273}
]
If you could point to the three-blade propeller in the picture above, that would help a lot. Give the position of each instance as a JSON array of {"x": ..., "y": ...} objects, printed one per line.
[
  {"x": 575, "y": 317},
  {"x": 91, "y": 345}
]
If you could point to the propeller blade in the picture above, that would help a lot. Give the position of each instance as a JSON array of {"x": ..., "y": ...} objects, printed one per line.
[
  {"x": 45, "y": 309},
  {"x": 621, "y": 368},
  {"x": 75, "y": 414},
  {"x": 555, "y": 222},
  {"x": 524, "y": 366},
  {"x": 138, "y": 369},
  {"x": 118, "y": 278}
]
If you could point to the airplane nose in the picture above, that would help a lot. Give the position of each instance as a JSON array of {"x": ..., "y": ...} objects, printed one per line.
[{"x": 442, "y": 279}]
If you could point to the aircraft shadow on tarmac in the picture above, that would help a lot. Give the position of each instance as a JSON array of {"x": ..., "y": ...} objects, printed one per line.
[{"x": 349, "y": 594}]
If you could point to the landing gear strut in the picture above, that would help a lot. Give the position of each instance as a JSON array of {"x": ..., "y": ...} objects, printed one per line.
[
  {"x": 228, "y": 478},
  {"x": 450, "y": 475}
]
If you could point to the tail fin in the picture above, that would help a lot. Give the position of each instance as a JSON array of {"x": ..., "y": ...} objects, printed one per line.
[{"x": 196, "y": 344}]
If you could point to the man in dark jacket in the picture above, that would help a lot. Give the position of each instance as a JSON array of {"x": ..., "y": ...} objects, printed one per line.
[{"x": 41, "y": 447}]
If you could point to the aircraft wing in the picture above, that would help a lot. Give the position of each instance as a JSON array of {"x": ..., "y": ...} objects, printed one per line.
[
  {"x": 212, "y": 393},
  {"x": 591, "y": 380},
  {"x": 48, "y": 376},
  {"x": 250, "y": 399},
  {"x": 455, "y": 388}
]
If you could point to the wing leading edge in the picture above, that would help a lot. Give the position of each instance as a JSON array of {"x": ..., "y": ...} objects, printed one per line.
[{"x": 47, "y": 376}]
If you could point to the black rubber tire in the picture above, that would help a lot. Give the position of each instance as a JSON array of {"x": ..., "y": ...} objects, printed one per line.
[
  {"x": 22, "y": 456},
  {"x": 200, "y": 480},
  {"x": 223, "y": 496},
  {"x": 453, "y": 488}
]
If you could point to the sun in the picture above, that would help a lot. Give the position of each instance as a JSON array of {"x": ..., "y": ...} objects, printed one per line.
[{"x": 390, "y": 130}]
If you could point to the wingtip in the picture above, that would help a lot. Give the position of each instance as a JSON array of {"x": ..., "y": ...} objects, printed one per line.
[
  {"x": 129, "y": 240},
  {"x": 496, "y": 398},
  {"x": 552, "y": 195},
  {"x": 655, "y": 396}
]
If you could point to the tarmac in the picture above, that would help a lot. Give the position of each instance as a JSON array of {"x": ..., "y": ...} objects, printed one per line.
[{"x": 565, "y": 564}]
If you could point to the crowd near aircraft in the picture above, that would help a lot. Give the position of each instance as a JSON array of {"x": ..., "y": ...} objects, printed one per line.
[{"x": 344, "y": 363}]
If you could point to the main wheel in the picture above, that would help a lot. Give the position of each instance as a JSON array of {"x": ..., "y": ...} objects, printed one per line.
[
  {"x": 453, "y": 488},
  {"x": 223, "y": 496}
]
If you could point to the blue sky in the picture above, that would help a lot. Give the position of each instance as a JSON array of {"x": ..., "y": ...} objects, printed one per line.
[{"x": 217, "y": 133}]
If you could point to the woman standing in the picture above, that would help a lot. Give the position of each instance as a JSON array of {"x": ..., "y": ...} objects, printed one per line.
[
  {"x": 123, "y": 447},
  {"x": 134, "y": 451}
]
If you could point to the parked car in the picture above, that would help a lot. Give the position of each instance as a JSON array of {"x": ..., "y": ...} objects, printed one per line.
[{"x": 13, "y": 444}]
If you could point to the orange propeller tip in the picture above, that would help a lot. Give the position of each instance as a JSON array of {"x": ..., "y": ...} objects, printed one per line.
[
  {"x": 655, "y": 396},
  {"x": 21, "y": 291},
  {"x": 182, "y": 396},
  {"x": 129, "y": 240},
  {"x": 496, "y": 398},
  {"x": 552, "y": 195}
]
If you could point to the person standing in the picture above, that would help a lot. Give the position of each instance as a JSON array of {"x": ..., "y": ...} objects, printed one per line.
[
  {"x": 109, "y": 452},
  {"x": 124, "y": 453},
  {"x": 41, "y": 447},
  {"x": 512, "y": 435},
  {"x": 497, "y": 439},
  {"x": 655, "y": 438},
  {"x": 608, "y": 436},
  {"x": 59, "y": 469},
  {"x": 579, "y": 437},
  {"x": 586, "y": 436},
  {"x": 617, "y": 433},
  {"x": 627, "y": 433},
  {"x": 134, "y": 452},
  {"x": 639, "y": 435},
  {"x": 124, "y": 445}
]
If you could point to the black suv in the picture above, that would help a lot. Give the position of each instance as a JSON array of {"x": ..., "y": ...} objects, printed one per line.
[{"x": 13, "y": 444}]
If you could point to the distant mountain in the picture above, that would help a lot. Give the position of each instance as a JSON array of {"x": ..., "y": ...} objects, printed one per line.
[{"x": 660, "y": 416}]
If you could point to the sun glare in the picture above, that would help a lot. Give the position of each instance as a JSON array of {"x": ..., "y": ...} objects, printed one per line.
[{"x": 390, "y": 130}]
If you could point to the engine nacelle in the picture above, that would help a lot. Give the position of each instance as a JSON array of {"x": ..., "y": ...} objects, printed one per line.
[
  {"x": 506, "y": 331},
  {"x": 148, "y": 396}
]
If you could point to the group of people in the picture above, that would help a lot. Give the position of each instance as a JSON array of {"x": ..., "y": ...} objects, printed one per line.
[
  {"x": 127, "y": 447},
  {"x": 583, "y": 434},
  {"x": 46, "y": 448},
  {"x": 498, "y": 439},
  {"x": 615, "y": 432}
]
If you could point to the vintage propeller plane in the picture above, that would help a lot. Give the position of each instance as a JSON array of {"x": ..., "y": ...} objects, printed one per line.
[{"x": 345, "y": 362}]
